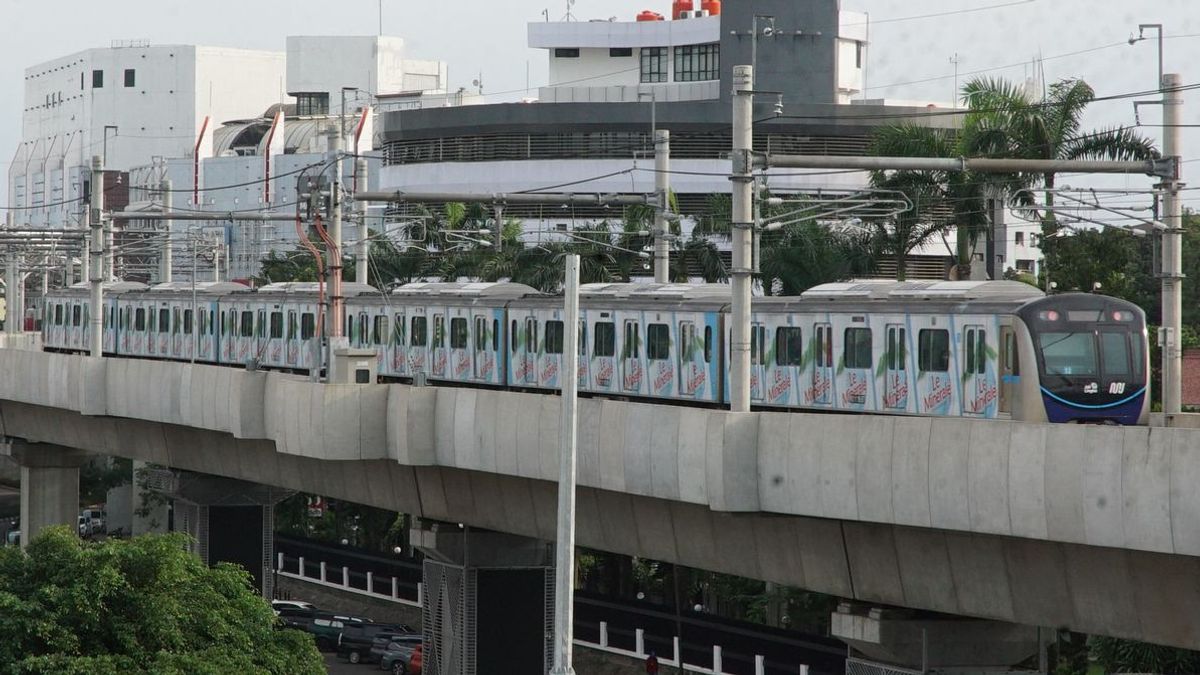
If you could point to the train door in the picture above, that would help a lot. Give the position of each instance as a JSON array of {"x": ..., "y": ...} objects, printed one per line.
[
  {"x": 631, "y": 356},
  {"x": 439, "y": 356},
  {"x": 291, "y": 338},
  {"x": 978, "y": 396},
  {"x": 854, "y": 387},
  {"x": 124, "y": 328},
  {"x": 895, "y": 383},
  {"x": 691, "y": 362},
  {"x": 151, "y": 329},
  {"x": 399, "y": 343},
  {"x": 418, "y": 342},
  {"x": 758, "y": 361},
  {"x": 821, "y": 390},
  {"x": 487, "y": 343},
  {"x": 164, "y": 330},
  {"x": 273, "y": 350},
  {"x": 550, "y": 354},
  {"x": 1009, "y": 369},
  {"x": 110, "y": 327},
  {"x": 783, "y": 378},
  {"x": 602, "y": 367},
  {"x": 460, "y": 345},
  {"x": 525, "y": 349},
  {"x": 258, "y": 345},
  {"x": 139, "y": 329},
  {"x": 660, "y": 362},
  {"x": 176, "y": 333}
]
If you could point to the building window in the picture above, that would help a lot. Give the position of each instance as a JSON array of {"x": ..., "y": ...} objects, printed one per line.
[
  {"x": 858, "y": 54},
  {"x": 312, "y": 103},
  {"x": 654, "y": 64},
  {"x": 130, "y": 77},
  {"x": 1020, "y": 239},
  {"x": 97, "y": 79},
  {"x": 566, "y": 52},
  {"x": 620, "y": 52},
  {"x": 694, "y": 63}
]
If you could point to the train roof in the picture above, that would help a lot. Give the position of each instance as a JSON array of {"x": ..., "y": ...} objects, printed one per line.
[
  {"x": 650, "y": 292},
  {"x": 112, "y": 286},
  {"x": 491, "y": 289},
  {"x": 206, "y": 287},
  {"x": 960, "y": 291},
  {"x": 349, "y": 290}
]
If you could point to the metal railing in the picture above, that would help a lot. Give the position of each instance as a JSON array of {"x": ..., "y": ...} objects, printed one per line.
[{"x": 862, "y": 667}]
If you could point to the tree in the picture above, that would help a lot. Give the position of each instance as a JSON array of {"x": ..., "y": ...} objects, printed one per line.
[
  {"x": 913, "y": 228},
  {"x": 143, "y": 605},
  {"x": 1129, "y": 656},
  {"x": 1006, "y": 121}
]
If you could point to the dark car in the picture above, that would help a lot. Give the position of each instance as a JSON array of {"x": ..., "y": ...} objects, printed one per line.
[
  {"x": 356, "y": 640},
  {"x": 323, "y": 626},
  {"x": 386, "y": 646}
]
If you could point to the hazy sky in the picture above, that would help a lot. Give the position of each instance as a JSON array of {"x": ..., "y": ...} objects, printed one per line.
[{"x": 912, "y": 43}]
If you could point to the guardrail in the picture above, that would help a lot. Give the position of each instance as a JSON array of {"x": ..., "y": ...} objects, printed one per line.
[
  {"x": 341, "y": 578},
  {"x": 676, "y": 661}
]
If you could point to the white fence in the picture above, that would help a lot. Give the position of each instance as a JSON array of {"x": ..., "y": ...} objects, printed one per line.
[{"x": 341, "y": 582}]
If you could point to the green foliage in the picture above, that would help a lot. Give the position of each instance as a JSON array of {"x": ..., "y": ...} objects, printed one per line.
[
  {"x": 361, "y": 526},
  {"x": 144, "y": 605},
  {"x": 102, "y": 474},
  {"x": 1128, "y": 656}
]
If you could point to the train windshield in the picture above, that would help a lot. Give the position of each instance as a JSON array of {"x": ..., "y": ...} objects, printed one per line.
[{"x": 1069, "y": 353}]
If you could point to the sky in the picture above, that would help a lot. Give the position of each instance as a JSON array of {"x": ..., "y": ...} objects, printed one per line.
[{"x": 912, "y": 53}]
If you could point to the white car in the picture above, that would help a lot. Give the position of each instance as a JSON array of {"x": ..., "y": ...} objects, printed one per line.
[{"x": 291, "y": 604}]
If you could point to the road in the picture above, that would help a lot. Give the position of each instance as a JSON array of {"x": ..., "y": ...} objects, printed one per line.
[{"x": 337, "y": 666}]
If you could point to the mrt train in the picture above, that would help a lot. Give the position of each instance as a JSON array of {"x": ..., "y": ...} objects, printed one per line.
[{"x": 983, "y": 349}]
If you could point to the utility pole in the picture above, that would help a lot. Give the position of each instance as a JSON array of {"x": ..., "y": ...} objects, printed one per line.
[
  {"x": 564, "y": 570},
  {"x": 363, "y": 248},
  {"x": 96, "y": 221},
  {"x": 164, "y": 255},
  {"x": 1172, "y": 253},
  {"x": 12, "y": 279},
  {"x": 743, "y": 231},
  {"x": 662, "y": 186},
  {"x": 334, "y": 254}
]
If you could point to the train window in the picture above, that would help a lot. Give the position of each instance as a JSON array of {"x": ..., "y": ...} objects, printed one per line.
[
  {"x": 582, "y": 351},
  {"x": 420, "y": 330},
  {"x": 439, "y": 331},
  {"x": 605, "y": 340},
  {"x": 824, "y": 345},
  {"x": 1136, "y": 343},
  {"x": 856, "y": 350},
  {"x": 139, "y": 321},
  {"x": 276, "y": 325},
  {"x": 554, "y": 337},
  {"x": 980, "y": 351},
  {"x": 58, "y": 315},
  {"x": 308, "y": 325},
  {"x": 379, "y": 330},
  {"x": 76, "y": 315},
  {"x": 247, "y": 327},
  {"x": 495, "y": 335},
  {"x": 363, "y": 333},
  {"x": 125, "y": 319},
  {"x": 789, "y": 346},
  {"x": 152, "y": 316},
  {"x": 512, "y": 335},
  {"x": 632, "y": 348},
  {"x": 1069, "y": 353},
  {"x": 262, "y": 324},
  {"x": 531, "y": 335},
  {"x": 480, "y": 334},
  {"x": 969, "y": 361},
  {"x": 291, "y": 326},
  {"x": 458, "y": 333},
  {"x": 933, "y": 351},
  {"x": 398, "y": 331},
  {"x": 658, "y": 341},
  {"x": 687, "y": 341},
  {"x": 708, "y": 334},
  {"x": 175, "y": 321},
  {"x": 1012, "y": 359},
  {"x": 897, "y": 341},
  {"x": 164, "y": 320},
  {"x": 1114, "y": 349},
  {"x": 187, "y": 322}
]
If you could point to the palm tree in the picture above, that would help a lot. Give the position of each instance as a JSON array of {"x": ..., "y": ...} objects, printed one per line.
[
  {"x": 924, "y": 220},
  {"x": 806, "y": 254}
]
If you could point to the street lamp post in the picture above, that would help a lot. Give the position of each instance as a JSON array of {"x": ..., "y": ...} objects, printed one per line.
[{"x": 1142, "y": 28}]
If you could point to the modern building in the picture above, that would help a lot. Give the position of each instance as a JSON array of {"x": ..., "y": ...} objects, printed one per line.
[
  {"x": 231, "y": 129},
  {"x": 611, "y": 81}
]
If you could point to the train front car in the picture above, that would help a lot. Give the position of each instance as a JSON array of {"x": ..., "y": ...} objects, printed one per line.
[{"x": 1092, "y": 360}]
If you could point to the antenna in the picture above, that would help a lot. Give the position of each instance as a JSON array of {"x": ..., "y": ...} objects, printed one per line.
[
  {"x": 956, "y": 59},
  {"x": 478, "y": 82},
  {"x": 569, "y": 16}
]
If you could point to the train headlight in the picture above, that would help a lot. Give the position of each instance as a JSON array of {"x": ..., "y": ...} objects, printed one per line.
[
  {"x": 1122, "y": 316},
  {"x": 1048, "y": 315}
]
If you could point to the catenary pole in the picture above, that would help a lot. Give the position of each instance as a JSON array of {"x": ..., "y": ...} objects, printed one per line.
[
  {"x": 742, "y": 223},
  {"x": 12, "y": 274},
  {"x": 164, "y": 256},
  {"x": 362, "y": 249},
  {"x": 662, "y": 188},
  {"x": 564, "y": 571},
  {"x": 334, "y": 264},
  {"x": 1172, "y": 254},
  {"x": 97, "y": 273}
]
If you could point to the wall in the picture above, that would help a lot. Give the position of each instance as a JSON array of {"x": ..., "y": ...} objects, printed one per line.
[{"x": 800, "y": 60}]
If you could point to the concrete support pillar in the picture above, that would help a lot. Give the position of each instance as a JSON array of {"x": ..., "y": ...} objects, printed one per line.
[
  {"x": 495, "y": 589},
  {"x": 49, "y": 485}
]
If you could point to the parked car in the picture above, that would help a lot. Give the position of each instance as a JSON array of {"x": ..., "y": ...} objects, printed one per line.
[
  {"x": 356, "y": 642},
  {"x": 279, "y": 605},
  {"x": 324, "y": 627},
  {"x": 85, "y": 527},
  {"x": 96, "y": 518},
  {"x": 402, "y": 658},
  {"x": 13, "y": 538}
]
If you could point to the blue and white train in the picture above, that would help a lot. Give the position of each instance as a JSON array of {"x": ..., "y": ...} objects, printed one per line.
[{"x": 994, "y": 349}]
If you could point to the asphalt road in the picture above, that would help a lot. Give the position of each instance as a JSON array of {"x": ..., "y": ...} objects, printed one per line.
[{"x": 337, "y": 666}]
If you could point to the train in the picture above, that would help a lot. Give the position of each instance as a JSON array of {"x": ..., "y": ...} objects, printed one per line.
[{"x": 978, "y": 349}]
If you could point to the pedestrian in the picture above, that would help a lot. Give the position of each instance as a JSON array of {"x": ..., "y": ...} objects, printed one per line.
[{"x": 652, "y": 663}]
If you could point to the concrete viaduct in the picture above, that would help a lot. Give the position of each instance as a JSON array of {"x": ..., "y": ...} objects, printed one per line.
[{"x": 1092, "y": 528}]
